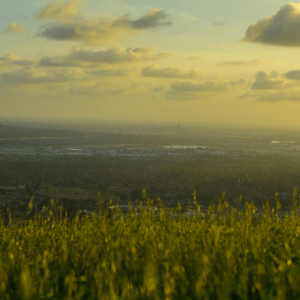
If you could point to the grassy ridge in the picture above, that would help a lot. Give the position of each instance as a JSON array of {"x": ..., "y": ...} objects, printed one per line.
[{"x": 225, "y": 255}]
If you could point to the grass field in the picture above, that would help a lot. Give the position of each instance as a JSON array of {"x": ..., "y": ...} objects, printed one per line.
[{"x": 225, "y": 255}]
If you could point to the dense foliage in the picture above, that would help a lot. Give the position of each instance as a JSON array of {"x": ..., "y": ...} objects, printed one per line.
[
  {"x": 173, "y": 179},
  {"x": 224, "y": 254}
]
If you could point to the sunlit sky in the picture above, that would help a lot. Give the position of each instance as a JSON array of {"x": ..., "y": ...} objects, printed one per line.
[{"x": 234, "y": 61}]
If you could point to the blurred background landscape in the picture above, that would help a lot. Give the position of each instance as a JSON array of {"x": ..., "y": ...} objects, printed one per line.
[{"x": 75, "y": 162}]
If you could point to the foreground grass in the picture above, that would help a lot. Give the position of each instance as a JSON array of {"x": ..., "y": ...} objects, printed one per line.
[{"x": 228, "y": 255}]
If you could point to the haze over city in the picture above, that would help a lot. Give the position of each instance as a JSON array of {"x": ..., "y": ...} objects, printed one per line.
[{"x": 197, "y": 61}]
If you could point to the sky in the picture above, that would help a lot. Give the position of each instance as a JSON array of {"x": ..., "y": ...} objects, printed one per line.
[{"x": 233, "y": 61}]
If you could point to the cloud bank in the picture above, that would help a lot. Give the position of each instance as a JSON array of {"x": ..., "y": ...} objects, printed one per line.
[
  {"x": 115, "y": 72},
  {"x": 191, "y": 90},
  {"x": 276, "y": 97},
  {"x": 69, "y": 25},
  {"x": 118, "y": 55},
  {"x": 270, "y": 81},
  {"x": 154, "y": 71},
  {"x": 241, "y": 62},
  {"x": 36, "y": 76},
  {"x": 10, "y": 60},
  {"x": 208, "y": 86},
  {"x": 281, "y": 29}
]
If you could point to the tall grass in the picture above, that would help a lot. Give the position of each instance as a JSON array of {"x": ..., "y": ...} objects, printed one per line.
[{"x": 148, "y": 255}]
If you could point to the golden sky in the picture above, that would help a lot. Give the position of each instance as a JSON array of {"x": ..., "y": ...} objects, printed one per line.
[{"x": 169, "y": 60}]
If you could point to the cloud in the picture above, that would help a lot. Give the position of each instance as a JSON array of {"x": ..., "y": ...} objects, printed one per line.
[
  {"x": 10, "y": 60},
  {"x": 281, "y": 29},
  {"x": 94, "y": 89},
  {"x": 270, "y": 81},
  {"x": 59, "y": 10},
  {"x": 97, "y": 31},
  {"x": 293, "y": 75},
  {"x": 155, "y": 18},
  {"x": 208, "y": 86},
  {"x": 36, "y": 76},
  {"x": 273, "y": 97},
  {"x": 13, "y": 59},
  {"x": 14, "y": 28},
  {"x": 157, "y": 89},
  {"x": 33, "y": 73},
  {"x": 118, "y": 55},
  {"x": 118, "y": 72},
  {"x": 119, "y": 90},
  {"x": 84, "y": 89},
  {"x": 219, "y": 23},
  {"x": 191, "y": 90},
  {"x": 154, "y": 71},
  {"x": 246, "y": 95},
  {"x": 194, "y": 57},
  {"x": 241, "y": 62},
  {"x": 187, "y": 17},
  {"x": 282, "y": 96}
]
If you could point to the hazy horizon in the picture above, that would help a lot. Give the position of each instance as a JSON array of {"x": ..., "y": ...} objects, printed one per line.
[{"x": 88, "y": 123}]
